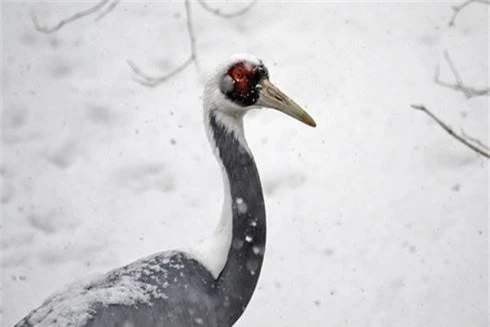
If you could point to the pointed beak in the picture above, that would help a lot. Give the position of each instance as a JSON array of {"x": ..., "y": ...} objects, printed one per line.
[{"x": 271, "y": 97}]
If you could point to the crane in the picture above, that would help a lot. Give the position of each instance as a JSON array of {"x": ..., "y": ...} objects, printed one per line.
[{"x": 212, "y": 284}]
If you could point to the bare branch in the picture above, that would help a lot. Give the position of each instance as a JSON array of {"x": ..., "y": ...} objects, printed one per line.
[
  {"x": 107, "y": 10},
  {"x": 468, "y": 91},
  {"x": 470, "y": 142},
  {"x": 147, "y": 80},
  {"x": 457, "y": 9},
  {"x": 191, "y": 34},
  {"x": 474, "y": 140},
  {"x": 150, "y": 81},
  {"x": 76, "y": 16},
  {"x": 142, "y": 77},
  {"x": 219, "y": 13}
]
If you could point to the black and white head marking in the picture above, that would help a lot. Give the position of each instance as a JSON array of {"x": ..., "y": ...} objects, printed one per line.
[{"x": 232, "y": 90}]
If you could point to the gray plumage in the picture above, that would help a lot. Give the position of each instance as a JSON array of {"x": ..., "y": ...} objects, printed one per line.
[{"x": 172, "y": 289}]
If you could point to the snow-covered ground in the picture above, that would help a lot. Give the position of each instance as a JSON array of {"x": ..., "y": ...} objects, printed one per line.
[{"x": 376, "y": 218}]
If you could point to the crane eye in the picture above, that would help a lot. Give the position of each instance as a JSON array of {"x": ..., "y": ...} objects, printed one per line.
[{"x": 238, "y": 75}]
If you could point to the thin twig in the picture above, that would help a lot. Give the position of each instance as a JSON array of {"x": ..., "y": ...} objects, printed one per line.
[
  {"x": 457, "y": 9},
  {"x": 142, "y": 77},
  {"x": 191, "y": 34},
  {"x": 63, "y": 22},
  {"x": 147, "y": 80},
  {"x": 151, "y": 81},
  {"x": 474, "y": 140},
  {"x": 219, "y": 13},
  {"x": 107, "y": 10},
  {"x": 459, "y": 85},
  {"x": 470, "y": 142}
]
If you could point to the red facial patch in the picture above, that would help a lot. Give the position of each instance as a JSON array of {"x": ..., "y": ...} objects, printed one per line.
[{"x": 242, "y": 76}]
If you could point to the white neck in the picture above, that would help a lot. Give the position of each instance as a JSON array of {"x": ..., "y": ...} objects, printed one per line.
[{"x": 213, "y": 252}]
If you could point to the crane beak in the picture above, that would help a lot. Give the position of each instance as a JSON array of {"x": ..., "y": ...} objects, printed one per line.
[{"x": 271, "y": 97}]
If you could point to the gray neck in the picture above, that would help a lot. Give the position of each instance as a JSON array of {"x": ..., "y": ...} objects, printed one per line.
[{"x": 238, "y": 279}]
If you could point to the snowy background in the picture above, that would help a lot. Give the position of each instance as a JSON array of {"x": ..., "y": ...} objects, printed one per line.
[{"x": 376, "y": 218}]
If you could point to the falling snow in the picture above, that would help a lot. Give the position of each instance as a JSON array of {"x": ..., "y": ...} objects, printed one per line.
[
  {"x": 376, "y": 217},
  {"x": 241, "y": 206}
]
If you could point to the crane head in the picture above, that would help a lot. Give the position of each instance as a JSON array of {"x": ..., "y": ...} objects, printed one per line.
[{"x": 243, "y": 83}]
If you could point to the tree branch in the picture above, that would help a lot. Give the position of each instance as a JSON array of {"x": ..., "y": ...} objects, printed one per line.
[
  {"x": 152, "y": 81},
  {"x": 191, "y": 34},
  {"x": 219, "y": 13},
  {"x": 474, "y": 140},
  {"x": 104, "y": 7},
  {"x": 470, "y": 142},
  {"x": 457, "y": 9},
  {"x": 459, "y": 85},
  {"x": 107, "y": 10},
  {"x": 76, "y": 16},
  {"x": 147, "y": 80}
]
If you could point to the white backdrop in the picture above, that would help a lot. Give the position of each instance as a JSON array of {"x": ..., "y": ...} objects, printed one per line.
[{"x": 376, "y": 218}]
